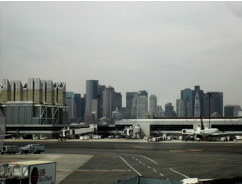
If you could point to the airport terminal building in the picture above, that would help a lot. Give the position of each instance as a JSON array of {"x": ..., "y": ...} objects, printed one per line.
[{"x": 166, "y": 125}]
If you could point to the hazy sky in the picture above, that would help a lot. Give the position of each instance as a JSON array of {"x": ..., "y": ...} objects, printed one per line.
[{"x": 161, "y": 47}]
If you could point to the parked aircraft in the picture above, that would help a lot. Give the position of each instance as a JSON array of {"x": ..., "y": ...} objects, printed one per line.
[{"x": 208, "y": 132}]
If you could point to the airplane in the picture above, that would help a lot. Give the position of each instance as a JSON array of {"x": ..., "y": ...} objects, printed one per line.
[{"x": 205, "y": 132}]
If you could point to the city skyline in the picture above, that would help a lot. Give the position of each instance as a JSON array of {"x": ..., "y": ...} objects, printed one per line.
[{"x": 126, "y": 45}]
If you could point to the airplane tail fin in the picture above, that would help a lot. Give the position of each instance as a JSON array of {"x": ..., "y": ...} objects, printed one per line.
[{"x": 202, "y": 127}]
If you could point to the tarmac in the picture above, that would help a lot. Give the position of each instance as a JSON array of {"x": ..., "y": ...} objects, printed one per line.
[{"x": 99, "y": 161}]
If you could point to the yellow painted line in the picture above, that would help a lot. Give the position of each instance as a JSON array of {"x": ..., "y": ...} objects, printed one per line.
[
  {"x": 177, "y": 151},
  {"x": 194, "y": 150},
  {"x": 141, "y": 147}
]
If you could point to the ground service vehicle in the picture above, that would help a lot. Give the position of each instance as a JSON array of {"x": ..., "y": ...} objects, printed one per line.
[
  {"x": 9, "y": 149},
  {"x": 32, "y": 148},
  {"x": 28, "y": 172}
]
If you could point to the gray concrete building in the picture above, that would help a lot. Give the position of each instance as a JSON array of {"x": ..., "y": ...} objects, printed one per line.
[{"x": 158, "y": 127}]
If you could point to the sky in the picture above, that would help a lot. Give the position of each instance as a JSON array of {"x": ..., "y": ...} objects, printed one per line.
[{"x": 161, "y": 47}]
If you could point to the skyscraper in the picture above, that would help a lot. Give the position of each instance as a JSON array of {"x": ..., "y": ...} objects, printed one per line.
[
  {"x": 187, "y": 103},
  {"x": 91, "y": 93},
  {"x": 101, "y": 88},
  {"x": 201, "y": 99},
  {"x": 118, "y": 100},
  {"x": 153, "y": 105},
  {"x": 129, "y": 100},
  {"x": 142, "y": 106},
  {"x": 216, "y": 103},
  {"x": 160, "y": 112},
  {"x": 169, "y": 110},
  {"x": 69, "y": 103},
  {"x": 108, "y": 102},
  {"x": 83, "y": 105},
  {"x": 197, "y": 111},
  {"x": 77, "y": 107}
]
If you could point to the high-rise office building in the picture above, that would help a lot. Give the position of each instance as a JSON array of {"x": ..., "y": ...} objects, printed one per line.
[
  {"x": 184, "y": 108},
  {"x": 160, "y": 112},
  {"x": 91, "y": 93},
  {"x": 108, "y": 102},
  {"x": 197, "y": 110},
  {"x": 216, "y": 103},
  {"x": 169, "y": 110},
  {"x": 181, "y": 108},
  {"x": 231, "y": 110},
  {"x": 69, "y": 103},
  {"x": 118, "y": 100},
  {"x": 201, "y": 99},
  {"x": 77, "y": 107},
  {"x": 142, "y": 106},
  {"x": 143, "y": 93},
  {"x": 153, "y": 105},
  {"x": 133, "y": 111},
  {"x": 186, "y": 105},
  {"x": 129, "y": 102},
  {"x": 83, "y": 105},
  {"x": 101, "y": 88}
]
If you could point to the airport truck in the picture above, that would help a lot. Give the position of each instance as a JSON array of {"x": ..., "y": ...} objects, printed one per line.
[
  {"x": 28, "y": 172},
  {"x": 32, "y": 148},
  {"x": 9, "y": 149}
]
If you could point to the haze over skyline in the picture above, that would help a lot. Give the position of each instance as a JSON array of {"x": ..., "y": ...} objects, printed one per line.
[{"x": 161, "y": 47}]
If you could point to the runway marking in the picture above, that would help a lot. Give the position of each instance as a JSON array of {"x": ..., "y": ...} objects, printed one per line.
[
  {"x": 154, "y": 170},
  {"x": 177, "y": 151},
  {"x": 141, "y": 147},
  {"x": 148, "y": 159},
  {"x": 148, "y": 167},
  {"x": 179, "y": 173},
  {"x": 194, "y": 150},
  {"x": 143, "y": 164},
  {"x": 137, "y": 159},
  {"x": 161, "y": 174},
  {"x": 130, "y": 166}
]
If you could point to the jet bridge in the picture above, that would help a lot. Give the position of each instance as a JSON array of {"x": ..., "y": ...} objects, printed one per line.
[{"x": 72, "y": 133}]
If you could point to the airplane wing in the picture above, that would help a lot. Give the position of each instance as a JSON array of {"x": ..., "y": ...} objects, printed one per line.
[
  {"x": 226, "y": 133},
  {"x": 5, "y": 135},
  {"x": 172, "y": 132}
]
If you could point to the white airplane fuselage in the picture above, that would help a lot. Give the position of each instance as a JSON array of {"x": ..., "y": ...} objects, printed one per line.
[{"x": 204, "y": 133}]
